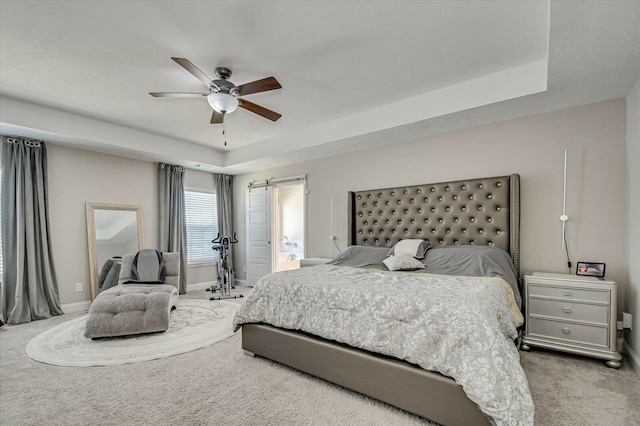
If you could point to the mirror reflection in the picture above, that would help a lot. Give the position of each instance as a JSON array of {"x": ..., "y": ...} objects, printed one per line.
[
  {"x": 113, "y": 231},
  {"x": 116, "y": 234}
]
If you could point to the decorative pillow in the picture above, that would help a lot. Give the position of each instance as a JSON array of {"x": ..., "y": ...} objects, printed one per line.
[
  {"x": 403, "y": 263},
  {"x": 414, "y": 247}
]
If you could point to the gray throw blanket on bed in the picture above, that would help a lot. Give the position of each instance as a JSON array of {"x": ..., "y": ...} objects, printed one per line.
[
  {"x": 465, "y": 260},
  {"x": 461, "y": 327}
]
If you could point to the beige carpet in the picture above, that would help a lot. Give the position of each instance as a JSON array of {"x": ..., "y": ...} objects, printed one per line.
[
  {"x": 574, "y": 390},
  {"x": 218, "y": 385}
]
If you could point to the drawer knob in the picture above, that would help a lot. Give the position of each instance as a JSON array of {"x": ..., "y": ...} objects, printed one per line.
[
  {"x": 566, "y": 330},
  {"x": 566, "y": 310},
  {"x": 566, "y": 293}
]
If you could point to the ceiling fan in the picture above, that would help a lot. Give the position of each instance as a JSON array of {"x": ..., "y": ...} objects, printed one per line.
[{"x": 223, "y": 95}]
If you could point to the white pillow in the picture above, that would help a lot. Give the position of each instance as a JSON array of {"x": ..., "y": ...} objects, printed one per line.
[
  {"x": 403, "y": 263},
  {"x": 415, "y": 247}
]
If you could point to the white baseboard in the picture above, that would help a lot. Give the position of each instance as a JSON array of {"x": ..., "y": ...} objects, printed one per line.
[
  {"x": 200, "y": 286},
  {"x": 633, "y": 358},
  {"x": 207, "y": 284},
  {"x": 68, "y": 308}
]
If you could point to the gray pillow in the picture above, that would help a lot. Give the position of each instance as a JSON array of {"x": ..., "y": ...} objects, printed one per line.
[
  {"x": 105, "y": 271},
  {"x": 405, "y": 262},
  {"x": 361, "y": 257},
  {"x": 420, "y": 247},
  {"x": 111, "y": 280}
]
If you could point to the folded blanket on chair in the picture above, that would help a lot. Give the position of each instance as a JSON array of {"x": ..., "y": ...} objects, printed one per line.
[{"x": 147, "y": 268}]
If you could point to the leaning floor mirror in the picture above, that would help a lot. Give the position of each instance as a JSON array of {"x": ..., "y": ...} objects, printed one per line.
[{"x": 113, "y": 230}]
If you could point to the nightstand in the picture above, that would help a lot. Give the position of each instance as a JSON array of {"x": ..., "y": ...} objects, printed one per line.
[{"x": 571, "y": 313}]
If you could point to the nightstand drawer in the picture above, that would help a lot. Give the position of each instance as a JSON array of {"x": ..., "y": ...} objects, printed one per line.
[
  {"x": 569, "y": 293},
  {"x": 586, "y": 334},
  {"x": 569, "y": 310}
]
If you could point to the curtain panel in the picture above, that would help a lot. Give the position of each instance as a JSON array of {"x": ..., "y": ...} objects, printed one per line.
[
  {"x": 173, "y": 225},
  {"x": 224, "y": 200},
  {"x": 29, "y": 285}
]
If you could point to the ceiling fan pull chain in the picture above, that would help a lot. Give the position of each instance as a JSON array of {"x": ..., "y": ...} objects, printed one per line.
[{"x": 224, "y": 128}]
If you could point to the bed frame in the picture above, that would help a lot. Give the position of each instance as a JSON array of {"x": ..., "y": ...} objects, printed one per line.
[{"x": 482, "y": 211}]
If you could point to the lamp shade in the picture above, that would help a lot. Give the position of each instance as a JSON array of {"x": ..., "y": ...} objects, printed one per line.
[{"x": 222, "y": 102}]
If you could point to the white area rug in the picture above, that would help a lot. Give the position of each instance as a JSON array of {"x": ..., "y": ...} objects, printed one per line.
[{"x": 193, "y": 325}]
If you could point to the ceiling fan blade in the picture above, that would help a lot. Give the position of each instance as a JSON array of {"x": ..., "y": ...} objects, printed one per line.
[
  {"x": 177, "y": 95},
  {"x": 269, "y": 83},
  {"x": 189, "y": 66},
  {"x": 257, "y": 109},
  {"x": 216, "y": 117}
]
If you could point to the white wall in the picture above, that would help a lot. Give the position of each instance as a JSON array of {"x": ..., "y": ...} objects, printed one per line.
[
  {"x": 531, "y": 146},
  {"x": 78, "y": 176},
  {"x": 633, "y": 213}
]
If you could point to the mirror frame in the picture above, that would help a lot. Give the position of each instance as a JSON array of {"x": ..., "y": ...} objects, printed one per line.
[{"x": 91, "y": 236}]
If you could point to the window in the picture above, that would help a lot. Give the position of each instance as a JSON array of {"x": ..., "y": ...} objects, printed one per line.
[{"x": 202, "y": 226}]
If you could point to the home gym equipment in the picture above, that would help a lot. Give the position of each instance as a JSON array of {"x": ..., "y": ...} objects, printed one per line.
[{"x": 225, "y": 280}]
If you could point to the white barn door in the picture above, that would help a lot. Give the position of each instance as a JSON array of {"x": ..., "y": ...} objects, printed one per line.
[{"x": 259, "y": 252}]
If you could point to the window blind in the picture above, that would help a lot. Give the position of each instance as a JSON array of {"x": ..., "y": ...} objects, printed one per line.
[{"x": 202, "y": 226}]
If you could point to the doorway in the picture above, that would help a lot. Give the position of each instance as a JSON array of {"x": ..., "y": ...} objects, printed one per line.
[
  {"x": 288, "y": 226},
  {"x": 275, "y": 213}
]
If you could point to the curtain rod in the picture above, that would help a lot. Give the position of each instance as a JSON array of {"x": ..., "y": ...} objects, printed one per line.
[{"x": 269, "y": 182}]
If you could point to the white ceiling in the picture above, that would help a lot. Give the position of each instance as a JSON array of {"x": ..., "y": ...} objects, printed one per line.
[{"x": 354, "y": 74}]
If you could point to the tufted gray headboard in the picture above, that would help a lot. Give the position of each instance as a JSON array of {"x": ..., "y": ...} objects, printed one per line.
[{"x": 483, "y": 211}]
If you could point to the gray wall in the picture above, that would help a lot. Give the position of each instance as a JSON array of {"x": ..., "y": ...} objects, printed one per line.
[
  {"x": 78, "y": 176},
  {"x": 531, "y": 146},
  {"x": 633, "y": 213}
]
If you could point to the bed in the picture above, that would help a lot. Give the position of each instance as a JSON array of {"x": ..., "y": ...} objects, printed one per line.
[{"x": 451, "y": 215}]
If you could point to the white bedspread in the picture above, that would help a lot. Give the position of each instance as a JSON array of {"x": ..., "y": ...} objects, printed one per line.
[{"x": 461, "y": 327}]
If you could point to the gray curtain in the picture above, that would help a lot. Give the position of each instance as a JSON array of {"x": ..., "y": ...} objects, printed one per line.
[
  {"x": 29, "y": 286},
  {"x": 224, "y": 202},
  {"x": 173, "y": 224}
]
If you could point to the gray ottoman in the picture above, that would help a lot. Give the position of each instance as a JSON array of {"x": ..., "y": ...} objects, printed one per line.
[{"x": 131, "y": 309}]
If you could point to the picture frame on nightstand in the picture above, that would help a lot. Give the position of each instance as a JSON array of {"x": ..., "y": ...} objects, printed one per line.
[{"x": 591, "y": 269}]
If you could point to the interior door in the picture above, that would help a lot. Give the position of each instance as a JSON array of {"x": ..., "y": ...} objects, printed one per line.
[{"x": 259, "y": 253}]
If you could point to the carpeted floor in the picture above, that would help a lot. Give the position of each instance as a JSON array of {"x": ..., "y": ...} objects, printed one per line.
[
  {"x": 574, "y": 390},
  {"x": 218, "y": 385}
]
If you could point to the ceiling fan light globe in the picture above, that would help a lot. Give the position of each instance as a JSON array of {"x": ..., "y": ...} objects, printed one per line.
[{"x": 222, "y": 102}]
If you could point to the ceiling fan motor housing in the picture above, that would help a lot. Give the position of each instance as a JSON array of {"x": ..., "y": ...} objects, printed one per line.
[{"x": 224, "y": 86}]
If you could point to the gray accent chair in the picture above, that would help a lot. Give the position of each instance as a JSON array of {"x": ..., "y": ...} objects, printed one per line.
[{"x": 129, "y": 309}]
